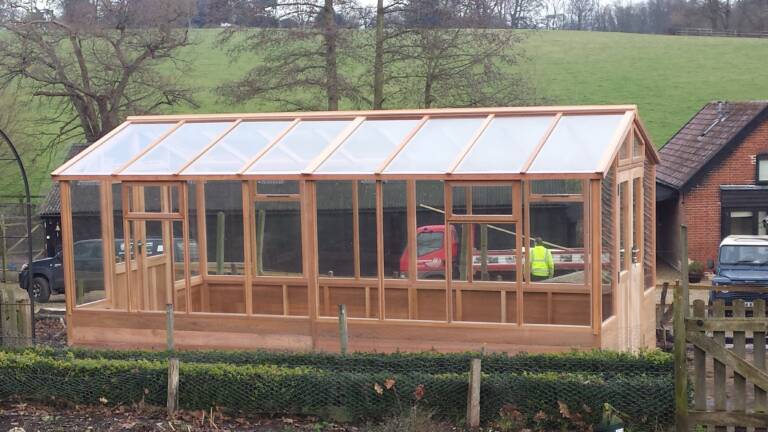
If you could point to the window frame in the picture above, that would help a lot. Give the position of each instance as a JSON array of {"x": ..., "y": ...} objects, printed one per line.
[{"x": 759, "y": 158}]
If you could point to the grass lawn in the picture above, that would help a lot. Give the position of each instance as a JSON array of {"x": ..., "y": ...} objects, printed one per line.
[{"x": 668, "y": 77}]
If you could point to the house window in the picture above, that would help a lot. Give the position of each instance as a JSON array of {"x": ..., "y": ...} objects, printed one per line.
[{"x": 762, "y": 168}]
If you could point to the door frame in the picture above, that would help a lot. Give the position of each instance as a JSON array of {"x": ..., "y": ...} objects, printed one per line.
[
  {"x": 134, "y": 191},
  {"x": 631, "y": 271}
]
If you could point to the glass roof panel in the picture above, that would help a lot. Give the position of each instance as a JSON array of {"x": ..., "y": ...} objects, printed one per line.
[
  {"x": 368, "y": 146},
  {"x": 238, "y": 147},
  {"x": 435, "y": 146},
  {"x": 177, "y": 149},
  {"x": 505, "y": 145},
  {"x": 577, "y": 144},
  {"x": 299, "y": 147},
  {"x": 119, "y": 149}
]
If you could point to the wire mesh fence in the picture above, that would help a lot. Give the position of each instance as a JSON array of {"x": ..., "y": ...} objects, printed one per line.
[{"x": 548, "y": 392}]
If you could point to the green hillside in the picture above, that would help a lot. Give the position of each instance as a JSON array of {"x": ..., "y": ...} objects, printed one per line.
[{"x": 668, "y": 77}]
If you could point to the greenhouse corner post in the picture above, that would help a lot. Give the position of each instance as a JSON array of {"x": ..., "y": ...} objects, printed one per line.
[{"x": 28, "y": 206}]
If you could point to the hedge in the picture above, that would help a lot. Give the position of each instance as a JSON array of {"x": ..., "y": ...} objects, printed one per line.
[
  {"x": 596, "y": 361},
  {"x": 354, "y": 394}
]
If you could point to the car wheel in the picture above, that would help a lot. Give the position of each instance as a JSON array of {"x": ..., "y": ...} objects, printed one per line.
[{"x": 40, "y": 289}]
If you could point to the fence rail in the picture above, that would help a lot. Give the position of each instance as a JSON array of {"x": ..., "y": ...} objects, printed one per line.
[{"x": 717, "y": 33}]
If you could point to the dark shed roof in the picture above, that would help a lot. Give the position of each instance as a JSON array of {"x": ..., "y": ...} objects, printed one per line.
[
  {"x": 51, "y": 205},
  {"x": 713, "y": 131}
]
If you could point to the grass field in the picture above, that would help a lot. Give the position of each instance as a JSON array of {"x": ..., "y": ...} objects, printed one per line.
[{"x": 668, "y": 77}]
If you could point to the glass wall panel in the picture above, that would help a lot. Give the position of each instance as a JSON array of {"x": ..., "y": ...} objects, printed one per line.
[
  {"x": 194, "y": 254},
  {"x": 395, "y": 230},
  {"x": 119, "y": 284},
  {"x": 558, "y": 227},
  {"x": 335, "y": 229},
  {"x": 238, "y": 147},
  {"x": 608, "y": 236},
  {"x": 278, "y": 238},
  {"x": 153, "y": 198},
  {"x": 277, "y": 187},
  {"x": 224, "y": 227},
  {"x": 485, "y": 252},
  {"x": 578, "y": 144},
  {"x": 299, "y": 147},
  {"x": 430, "y": 230},
  {"x": 637, "y": 147},
  {"x": 435, "y": 146},
  {"x": 519, "y": 133},
  {"x": 637, "y": 221},
  {"x": 177, "y": 258},
  {"x": 88, "y": 255},
  {"x": 178, "y": 148},
  {"x": 482, "y": 200},
  {"x": 368, "y": 147},
  {"x": 366, "y": 192},
  {"x": 119, "y": 149},
  {"x": 557, "y": 187}
]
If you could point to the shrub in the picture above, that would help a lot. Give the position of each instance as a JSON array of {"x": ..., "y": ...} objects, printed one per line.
[{"x": 335, "y": 388}]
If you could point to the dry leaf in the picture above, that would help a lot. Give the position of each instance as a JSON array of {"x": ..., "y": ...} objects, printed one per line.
[
  {"x": 389, "y": 383},
  {"x": 564, "y": 409},
  {"x": 103, "y": 400},
  {"x": 378, "y": 388},
  {"x": 418, "y": 394}
]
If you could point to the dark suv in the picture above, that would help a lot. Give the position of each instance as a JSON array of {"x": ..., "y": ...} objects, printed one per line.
[
  {"x": 742, "y": 260},
  {"x": 48, "y": 273}
]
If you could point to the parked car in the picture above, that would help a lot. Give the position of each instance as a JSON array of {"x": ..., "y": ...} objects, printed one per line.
[
  {"x": 742, "y": 260},
  {"x": 48, "y": 273}
]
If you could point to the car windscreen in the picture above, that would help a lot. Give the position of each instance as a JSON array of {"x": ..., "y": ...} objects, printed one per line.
[
  {"x": 730, "y": 255},
  {"x": 429, "y": 242}
]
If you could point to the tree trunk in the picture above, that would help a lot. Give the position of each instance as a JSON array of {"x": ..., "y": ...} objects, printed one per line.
[
  {"x": 378, "y": 59},
  {"x": 330, "y": 35}
]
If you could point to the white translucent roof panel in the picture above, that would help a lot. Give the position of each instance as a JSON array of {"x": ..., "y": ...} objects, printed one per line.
[
  {"x": 296, "y": 150},
  {"x": 577, "y": 145},
  {"x": 435, "y": 146},
  {"x": 177, "y": 149},
  {"x": 505, "y": 145},
  {"x": 119, "y": 149},
  {"x": 236, "y": 148},
  {"x": 368, "y": 147}
]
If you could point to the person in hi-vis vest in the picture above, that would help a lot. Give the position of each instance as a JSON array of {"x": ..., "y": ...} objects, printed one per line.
[{"x": 542, "y": 264}]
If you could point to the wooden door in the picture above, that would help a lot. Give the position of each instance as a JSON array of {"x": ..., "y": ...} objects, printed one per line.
[{"x": 631, "y": 271}]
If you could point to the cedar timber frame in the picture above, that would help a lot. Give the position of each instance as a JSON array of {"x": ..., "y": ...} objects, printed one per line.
[{"x": 630, "y": 326}]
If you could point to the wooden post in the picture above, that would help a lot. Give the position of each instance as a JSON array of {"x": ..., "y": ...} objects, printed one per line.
[
  {"x": 173, "y": 386},
  {"x": 3, "y": 248},
  {"x": 169, "y": 326},
  {"x": 681, "y": 370},
  {"x": 684, "y": 270},
  {"x": 473, "y": 394},
  {"x": 343, "y": 335},
  {"x": 220, "y": 219}
]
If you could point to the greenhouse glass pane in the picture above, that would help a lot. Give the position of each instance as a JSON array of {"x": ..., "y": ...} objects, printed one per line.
[
  {"x": 119, "y": 149},
  {"x": 435, "y": 146},
  {"x": 505, "y": 145},
  {"x": 577, "y": 144},
  {"x": 299, "y": 147},
  {"x": 177, "y": 149},
  {"x": 368, "y": 147},
  {"x": 238, "y": 147}
]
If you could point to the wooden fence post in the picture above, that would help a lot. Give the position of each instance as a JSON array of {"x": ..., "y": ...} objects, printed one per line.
[
  {"x": 173, "y": 386},
  {"x": 473, "y": 394},
  {"x": 343, "y": 335},
  {"x": 169, "y": 326},
  {"x": 681, "y": 369}
]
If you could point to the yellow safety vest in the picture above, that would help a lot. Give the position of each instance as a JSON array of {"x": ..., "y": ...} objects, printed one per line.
[{"x": 542, "y": 264}]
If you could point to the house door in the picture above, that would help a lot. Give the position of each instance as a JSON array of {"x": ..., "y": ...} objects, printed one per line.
[
  {"x": 631, "y": 277},
  {"x": 156, "y": 245}
]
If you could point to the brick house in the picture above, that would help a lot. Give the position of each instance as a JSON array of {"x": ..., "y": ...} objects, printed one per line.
[{"x": 713, "y": 177}]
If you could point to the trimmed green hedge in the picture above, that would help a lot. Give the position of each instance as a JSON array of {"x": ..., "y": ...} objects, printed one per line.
[
  {"x": 341, "y": 389},
  {"x": 603, "y": 362}
]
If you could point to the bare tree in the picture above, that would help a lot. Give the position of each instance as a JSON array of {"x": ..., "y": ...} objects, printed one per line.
[
  {"x": 581, "y": 12},
  {"x": 299, "y": 64},
  {"x": 95, "y": 68}
]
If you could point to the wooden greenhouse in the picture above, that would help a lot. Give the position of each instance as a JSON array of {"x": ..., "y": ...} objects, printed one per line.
[{"x": 255, "y": 227}]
